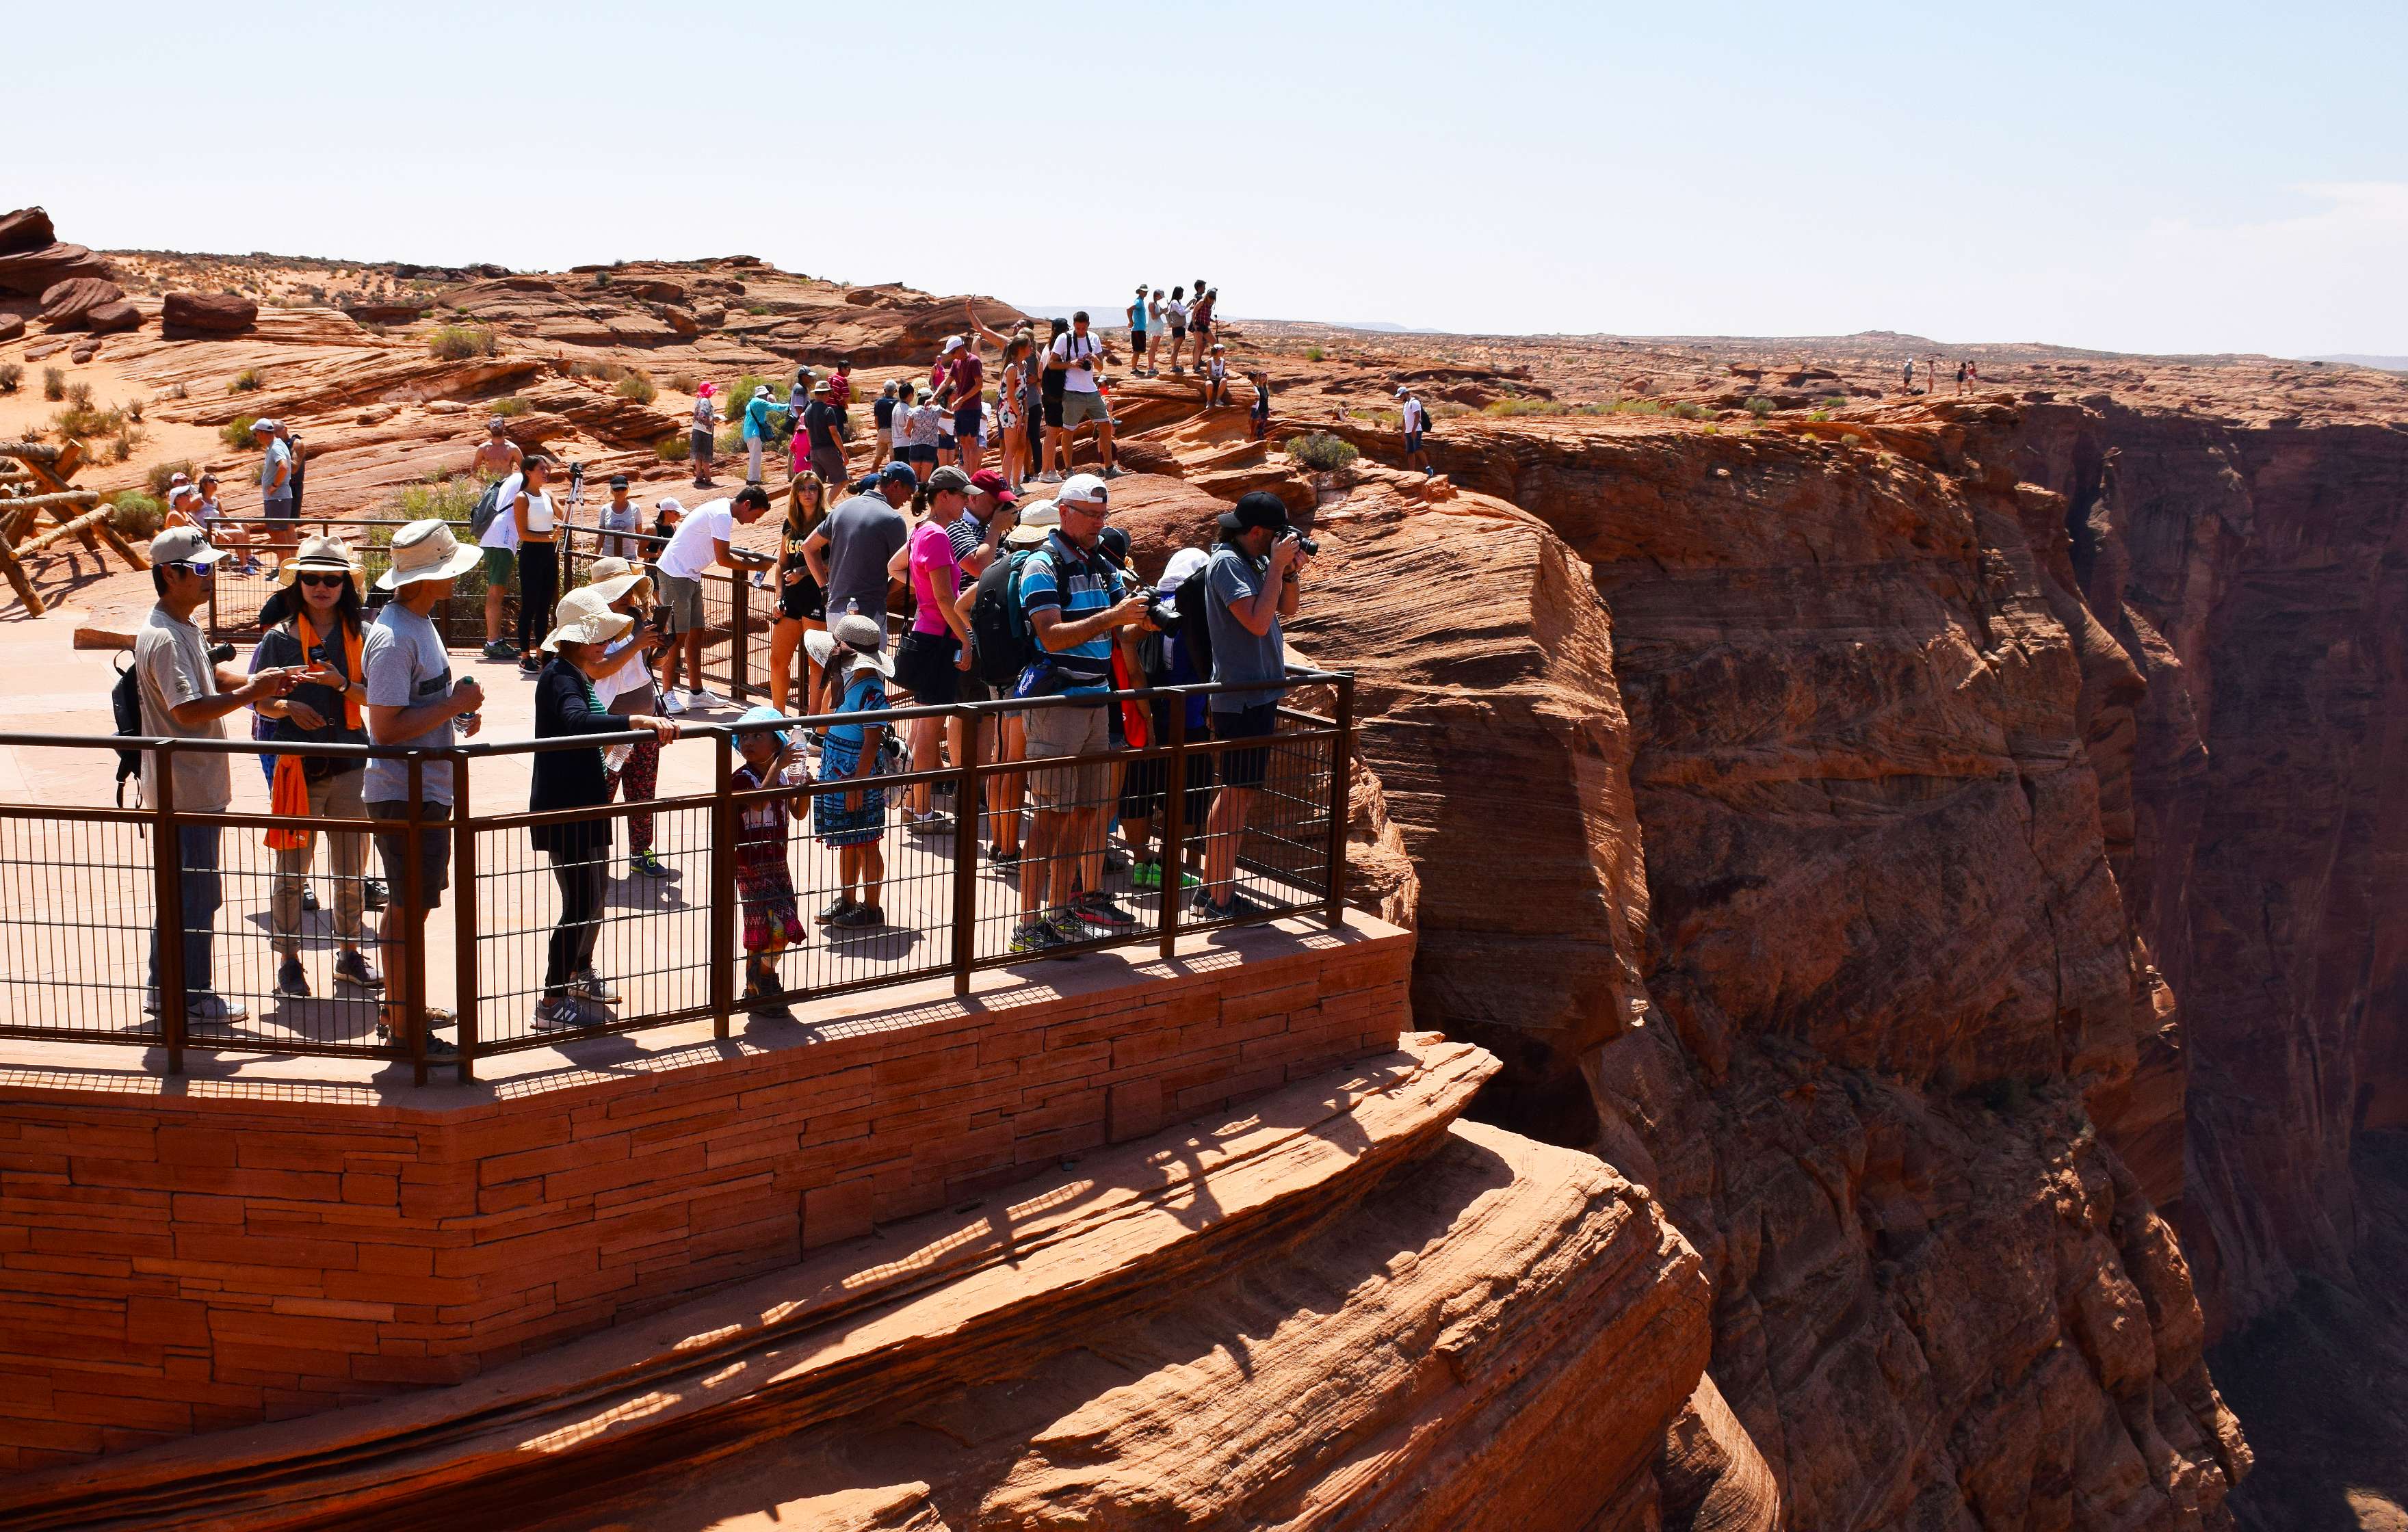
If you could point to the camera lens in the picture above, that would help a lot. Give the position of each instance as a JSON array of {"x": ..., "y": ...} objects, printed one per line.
[{"x": 1312, "y": 548}]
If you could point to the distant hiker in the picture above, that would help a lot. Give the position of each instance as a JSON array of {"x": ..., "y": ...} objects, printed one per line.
[
  {"x": 1139, "y": 318},
  {"x": 705, "y": 432},
  {"x": 703, "y": 541},
  {"x": 1216, "y": 379},
  {"x": 1910, "y": 375},
  {"x": 802, "y": 601},
  {"x": 1974, "y": 372},
  {"x": 185, "y": 695},
  {"x": 300, "y": 451},
  {"x": 840, "y": 383},
  {"x": 275, "y": 485},
  {"x": 1083, "y": 399},
  {"x": 819, "y": 440},
  {"x": 1259, "y": 416},
  {"x": 925, "y": 425},
  {"x": 1416, "y": 420},
  {"x": 1014, "y": 395},
  {"x": 497, "y": 456},
  {"x": 798, "y": 398},
  {"x": 1964, "y": 372},
  {"x": 963, "y": 397},
  {"x": 412, "y": 701},
  {"x": 1160, "y": 327},
  {"x": 619, "y": 522},
  {"x": 1251, "y": 585},
  {"x": 1200, "y": 321},
  {"x": 891, "y": 434},
  {"x": 759, "y": 428},
  {"x": 1176, "y": 312}
]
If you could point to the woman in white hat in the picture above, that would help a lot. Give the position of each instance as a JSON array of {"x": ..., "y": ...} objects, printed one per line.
[
  {"x": 853, "y": 821},
  {"x": 318, "y": 626},
  {"x": 579, "y": 849},
  {"x": 627, "y": 690}
]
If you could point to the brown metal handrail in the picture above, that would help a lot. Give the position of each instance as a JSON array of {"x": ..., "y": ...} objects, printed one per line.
[{"x": 165, "y": 823}]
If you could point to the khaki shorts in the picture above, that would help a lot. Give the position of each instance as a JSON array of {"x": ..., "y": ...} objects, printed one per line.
[
  {"x": 1071, "y": 730},
  {"x": 1078, "y": 409},
  {"x": 434, "y": 851},
  {"x": 683, "y": 600}
]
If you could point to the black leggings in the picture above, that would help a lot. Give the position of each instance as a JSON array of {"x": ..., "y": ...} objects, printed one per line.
[
  {"x": 539, "y": 589},
  {"x": 583, "y": 876}
]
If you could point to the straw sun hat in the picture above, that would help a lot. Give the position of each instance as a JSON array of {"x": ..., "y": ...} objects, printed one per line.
[
  {"x": 324, "y": 553},
  {"x": 586, "y": 618},
  {"x": 427, "y": 551}
]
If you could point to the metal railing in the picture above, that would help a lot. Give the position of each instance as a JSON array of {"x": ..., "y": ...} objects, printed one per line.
[{"x": 116, "y": 922}]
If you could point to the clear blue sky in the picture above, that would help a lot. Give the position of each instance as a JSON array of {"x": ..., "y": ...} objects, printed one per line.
[{"x": 2196, "y": 177}]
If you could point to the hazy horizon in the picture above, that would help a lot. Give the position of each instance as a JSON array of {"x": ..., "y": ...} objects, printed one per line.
[{"x": 2188, "y": 180}]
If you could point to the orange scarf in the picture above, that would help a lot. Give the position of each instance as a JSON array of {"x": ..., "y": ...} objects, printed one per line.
[{"x": 288, "y": 793}]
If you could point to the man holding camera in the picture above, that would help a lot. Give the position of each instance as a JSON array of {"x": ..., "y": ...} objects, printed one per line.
[{"x": 1250, "y": 584}]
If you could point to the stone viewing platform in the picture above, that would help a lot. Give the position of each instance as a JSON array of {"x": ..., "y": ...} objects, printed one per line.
[{"x": 268, "y": 1238}]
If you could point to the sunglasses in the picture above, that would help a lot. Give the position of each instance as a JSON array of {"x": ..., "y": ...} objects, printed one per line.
[
  {"x": 204, "y": 570},
  {"x": 319, "y": 580}
]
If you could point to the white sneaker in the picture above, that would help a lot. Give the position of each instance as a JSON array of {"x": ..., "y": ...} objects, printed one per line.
[
  {"x": 670, "y": 703},
  {"x": 697, "y": 697}
]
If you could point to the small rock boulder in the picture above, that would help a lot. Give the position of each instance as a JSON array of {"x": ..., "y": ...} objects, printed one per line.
[
  {"x": 207, "y": 313},
  {"x": 65, "y": 304},
  {"x": 109, "y": 316},
  {"x": 84, "y": 350},
  {"x": 27, "y": 228},
  {"x": 31, "y": 273},
  {"x": 13, "y": 326}
]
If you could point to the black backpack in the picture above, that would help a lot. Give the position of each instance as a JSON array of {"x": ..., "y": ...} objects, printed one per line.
[
  {"x": 1001, "y": 642},
  {"x": 489, "y": 504},
  {"x": 125, "y": 706}
]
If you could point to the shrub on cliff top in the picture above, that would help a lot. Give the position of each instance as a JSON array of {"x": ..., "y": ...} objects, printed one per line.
[
  {"x": 236, "y": 433},
  {"x": 134, "y": 514},
  {"x": 459, "y": 342},
  {"x": 510, "y": 406},
  {"x": 676, "y": 448},
  {"x": 248, "y": 380},
  {"x": 638, "y": 387},
  {"x": 1761, "y": 407},
  {"x": 1323, "y": 452},
  {"x": 54, "y": 385}
]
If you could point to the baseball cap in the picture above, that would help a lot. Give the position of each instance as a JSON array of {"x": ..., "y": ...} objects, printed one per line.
[
  {"x": 953, "y": 344},
  {"x": 949, "y": 478},
  {"x": 865, "y": 484},
  {"x": 496, "y": 424},
  {"x": 898, "y": 470},
  {"x": 1258, "y": 507},
  {"x": 1404, "y": 392},
  {"x": 262, "y": 423},
  {"x": 988, "y": 482},
  {"x": 618, "y": 481},
  {"x": 185, "y": 545},
  {"x": 1085, "y": 489}
]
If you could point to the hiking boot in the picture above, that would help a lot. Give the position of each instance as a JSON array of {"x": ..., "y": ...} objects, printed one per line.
[
  {"x": 309, "y": 898},
  {"x": 559, "y": 1013},
  {"x": 764, "y": 1003},
  {"x": 499, "y": 650},
  {"x": 291, "y": 981},
  {"x": 585, "y": 985},
  {"x": 1099, "y": 911},
  {"x": 861, "y": 915},
  {"x": 835, "y": 913},
  {"x": 647, "y": 864},
  {"x": 530, "y": 665},
  {"x": 353, "y": 969},
  {"x": 1037, "y": 936},
  {"x": 373, "y": 895}
]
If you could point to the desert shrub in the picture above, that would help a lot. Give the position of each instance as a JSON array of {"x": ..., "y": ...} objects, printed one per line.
[
  {"x": 1820, "y": 415},
  {"x": 175, "y": 390},
  {"x": 676, "y": 448},
  {"x": 236, "y": 433},
  {"x": 685, "y": 383},
  {"x": 122, "y": 446},
  {"x": 740, "y": 393},
  {"x": 81, "y": 421},
  {"x": 756, "y": 309},
  {"x": 1314, "y": 354},
  {"x": 1519, "y": 406},
  {"x": 729, "y": 442},
  {"x": 1761, "y": 407},
  {"x": 248, "y": 380},
  {"x": 134, "y": 408},
  {"x": 1322, "y": 451},
  {"x": 509, "y": 405},
  {"x": 447, "y": 499},
  {"x": 1690, "y": 412},
  {"x": 79, "y": 395},
  {"x": 54, "y": 385},
  {"x": 162, "y": 472},
  {"x": 459, "y": 342},
  {"x": 134, "y": 514},
  {"x": 1637, "y": 407},
  {"x": 638, "y": 387},
  {"x": 11, "y": 375}
]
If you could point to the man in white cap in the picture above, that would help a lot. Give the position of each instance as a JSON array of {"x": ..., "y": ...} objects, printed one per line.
[
  {"x": 1416, "y": 419},
  {"x": 186, "y": 696},
  {"x": 963, "y": 394},
  {"x": 274, "y": 484},
  {"x": 413, "y": 702}
]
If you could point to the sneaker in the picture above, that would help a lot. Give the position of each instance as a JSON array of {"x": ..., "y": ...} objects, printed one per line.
[
  {"x": 1113, "y": 471},
  {"x": 216, "y": 1010},
  {"x": 436, "y": 1019},
  {"x": 291, "y": 981},
  {"x": 310, "y": 897},
  {"x": 585, "y": 985},
  {"x": 373, "y": 895},
  {"x": 697, "y": 697},
  {"x": 1238, "y": 906},
  {"x": 1001, "y": 858},
  {"x": 670, "y": 703},
  {"x": 559, "y": 1013},
  {"x": 932, "y": 821},
  {"x": 862, "y": 915},
  {"x": 353, "y": 969},
  {"x": 835, "y": 913},
  {"x": 499, "y": 650},
  {"x": 1099, "y": 911},
  {"x": 1116, "y": 861},
  {"x": 530, "y": 665},
  {"x": 647, "y": 864},
  {"x": 1037, "y": 936}
]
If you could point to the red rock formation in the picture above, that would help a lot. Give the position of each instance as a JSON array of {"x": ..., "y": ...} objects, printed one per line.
[
  {"x": 209, "y": 313},
  {"x": 65, "y": 305}
]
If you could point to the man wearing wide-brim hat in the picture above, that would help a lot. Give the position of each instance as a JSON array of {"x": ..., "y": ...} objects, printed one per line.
[
  {"x": 413, "y": 702},
  {"x": 315, "y": 625}
]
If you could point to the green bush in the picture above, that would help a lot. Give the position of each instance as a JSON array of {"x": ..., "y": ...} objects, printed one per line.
[
  {"x": 81, "y": 421},
  {"x": 1519, "y": 406},
  {"x": 756, "y": 309},
  {"x": 236, "y": 433},
  {"x": 685, "y": 383},
  {"x": 1761, "y": 407},
  {"x": 459, "y": 342},
  {"x": 134, "y": 408},
  {"x": 676, "y": 448},
  {"x": 1311, "y": 353},
  {"x": 79, "y": 395},
  {"x": 248, "y": 380},
  {"x": 509, "y": 407},
  {"x": 1820, "y": 415},
  {"x": 729, "y": 442},
  {"x": 1690, "y": 412},
  {"x": 121, "y": 446},
  {"x": 1322, "y": 451},
  {"x": 134, "y": 514},
  {"x": 11, "y": 375},
  {"x": 638, "y": 387},
  {"x": 54, "y": 385},
  {"x": 449, "y": 499},
  {"x": 162, "y": 472}
]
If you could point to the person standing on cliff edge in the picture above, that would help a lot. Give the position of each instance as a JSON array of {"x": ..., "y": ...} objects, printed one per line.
[
  {"x": 1250, "y": 585},
  {"x": 1416, "y": 419}
]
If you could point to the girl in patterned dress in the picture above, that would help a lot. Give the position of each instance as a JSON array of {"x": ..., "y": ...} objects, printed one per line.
[{"x": 763, "y": 881}]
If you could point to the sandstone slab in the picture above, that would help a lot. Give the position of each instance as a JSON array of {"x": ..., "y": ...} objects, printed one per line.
[{"x": 207, "y": 313}]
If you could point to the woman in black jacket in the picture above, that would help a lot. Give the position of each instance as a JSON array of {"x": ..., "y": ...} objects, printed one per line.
[{"x": 579, "y": 849}]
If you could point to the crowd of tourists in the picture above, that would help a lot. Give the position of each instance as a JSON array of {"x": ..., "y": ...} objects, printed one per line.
[{"x": 998, "y": 597}]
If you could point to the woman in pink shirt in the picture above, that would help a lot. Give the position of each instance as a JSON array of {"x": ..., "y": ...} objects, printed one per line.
[{"x": 932, "y": 656}]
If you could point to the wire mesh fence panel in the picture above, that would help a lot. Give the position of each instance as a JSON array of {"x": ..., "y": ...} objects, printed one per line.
[
  {"x": 608, "y": 909},
  {"x": 1262, "y": 847},
  {"x": 77, "y": 902}
]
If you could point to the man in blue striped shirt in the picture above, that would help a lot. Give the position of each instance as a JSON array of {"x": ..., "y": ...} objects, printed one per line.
[{"x": 1077, "y": 610}]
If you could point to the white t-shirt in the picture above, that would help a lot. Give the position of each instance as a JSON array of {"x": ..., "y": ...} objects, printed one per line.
[
  {"x": 1070, "y": 347},
  {"x": 1413, "y": 414},
  {"x": 634, "y": 675},
  {"x": 503, "y": 530},
  {"x": 693, "y": 546}
]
